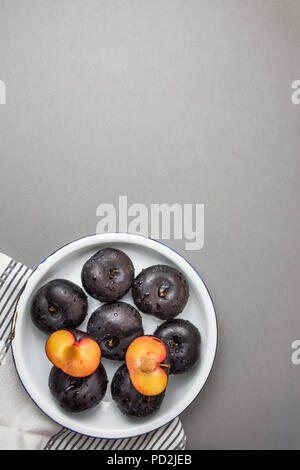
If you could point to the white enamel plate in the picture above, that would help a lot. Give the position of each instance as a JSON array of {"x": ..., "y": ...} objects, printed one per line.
[{"x": 105, "y": 420}]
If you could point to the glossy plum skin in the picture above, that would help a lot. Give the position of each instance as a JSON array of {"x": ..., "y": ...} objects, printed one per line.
[
  {"x": 161, "y": 291},
  {"x": 107, "y": 275},
  {"x": 77, "y": 394},
  {"x": 183, "y": 341},
  {"x": 59, "y": 304},
  {"x": 115, "y": 326},
  {"x": 129, "y": 401},
  {"x": 78, "y": 334}
]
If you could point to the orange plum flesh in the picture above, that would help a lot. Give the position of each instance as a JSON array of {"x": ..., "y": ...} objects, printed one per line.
[
  {"x": 75, "y": 358},
  {"x": 144, "y": 360}
]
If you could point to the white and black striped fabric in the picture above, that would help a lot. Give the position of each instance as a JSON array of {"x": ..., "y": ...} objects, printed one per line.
[
  {"x": 13, "y": 277},
  {"x": 12, "y": 280},
  {"x": 169, "y": 437}
]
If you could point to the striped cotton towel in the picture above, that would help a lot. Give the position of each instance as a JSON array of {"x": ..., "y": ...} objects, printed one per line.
[{"x": 22, "y": 425}]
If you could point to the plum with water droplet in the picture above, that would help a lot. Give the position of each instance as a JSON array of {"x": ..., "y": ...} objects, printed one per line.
[
  {"x": 160, "y": 290},
  {"x": 114, "y": 326},
  {"x": 129, "y": 401},
  {"x": 59, "y": 304},
  {"x": 77, "y": 394},
  {"x": 107, "y": 275},
  {"x": 183, "y": 340}
]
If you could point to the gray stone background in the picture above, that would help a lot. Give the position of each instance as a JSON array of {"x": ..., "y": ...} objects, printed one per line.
[{"x": 170, "y": 101}]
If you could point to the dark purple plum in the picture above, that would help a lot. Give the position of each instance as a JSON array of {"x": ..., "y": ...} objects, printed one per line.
[
  {"x": 78, "y": 334},
  {"x": 183, "y": 340},
  {"x": 107, "y": 275},
  {"x": 59, "y": 304},
  {"x": 129, "y": 401},
  {"x": 78, "y": 393},
  {"x": 161, "y": 291},
  {"x": 115, "y": 326}
]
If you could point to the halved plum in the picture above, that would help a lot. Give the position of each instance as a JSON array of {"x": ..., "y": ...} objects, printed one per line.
[
  {"x": 74, "y": 352},
  {"x": 147, "y": 363}
]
